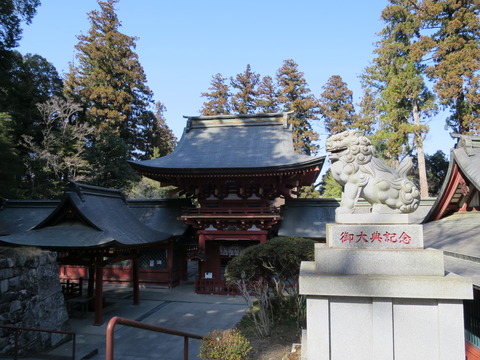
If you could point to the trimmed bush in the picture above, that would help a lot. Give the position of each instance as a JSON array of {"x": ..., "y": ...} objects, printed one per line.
[
  {"x": 268, "y": 274},
  {"x": 225, "y": 345}
]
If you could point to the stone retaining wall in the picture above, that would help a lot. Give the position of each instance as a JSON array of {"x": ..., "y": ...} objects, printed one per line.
[{"x": 30, "y": 296}]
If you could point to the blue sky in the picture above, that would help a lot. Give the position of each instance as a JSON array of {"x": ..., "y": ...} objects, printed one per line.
[{"x": 183, "y": 43}]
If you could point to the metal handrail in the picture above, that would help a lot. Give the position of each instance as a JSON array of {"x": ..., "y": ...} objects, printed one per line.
[
  {"x": 109, "y": 351},
  {"x": 18, "y": 328}
]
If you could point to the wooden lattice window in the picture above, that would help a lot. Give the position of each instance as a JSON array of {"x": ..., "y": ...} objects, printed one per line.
[{"x": 153, "y": 259}]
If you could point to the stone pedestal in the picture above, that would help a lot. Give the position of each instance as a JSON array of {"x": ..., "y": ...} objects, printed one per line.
[{"x": 373, "y": 292}]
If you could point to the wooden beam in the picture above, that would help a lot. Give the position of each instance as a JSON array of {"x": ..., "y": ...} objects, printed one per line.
[{"x": 448, "y": 194}]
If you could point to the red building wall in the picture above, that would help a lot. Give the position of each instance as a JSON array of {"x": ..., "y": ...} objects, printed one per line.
[
  {"x": 471, "y": 352},
  {"x": 123, "y": 274}
]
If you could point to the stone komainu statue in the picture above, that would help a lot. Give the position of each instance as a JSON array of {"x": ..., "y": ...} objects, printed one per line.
[{"x": 355, "y": 167}]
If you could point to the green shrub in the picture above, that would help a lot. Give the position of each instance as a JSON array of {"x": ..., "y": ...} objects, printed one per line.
[
  {"x": 269, "y": 272},
  {"x": 224, "y": 345}
]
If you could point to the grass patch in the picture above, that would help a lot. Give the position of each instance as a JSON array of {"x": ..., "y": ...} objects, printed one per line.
[{"x": 278, "y": 345}]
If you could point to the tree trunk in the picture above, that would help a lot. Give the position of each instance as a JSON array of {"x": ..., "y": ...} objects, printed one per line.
[{"x": 422, "y": 168}]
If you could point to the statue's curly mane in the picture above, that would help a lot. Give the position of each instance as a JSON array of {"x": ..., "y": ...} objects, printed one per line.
[
  {"x": 360, "y": 150},
  {"x": 361, "y": 154},
  {"x": 354, "y": 161}
]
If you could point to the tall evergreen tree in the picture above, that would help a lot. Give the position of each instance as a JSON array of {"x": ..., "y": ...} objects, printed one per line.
[
  {"x": 12, "y": 14},
  {"x": 367, "y": 118},
  {"x": 267, "y": 96},
  {"x": 11, "y": 164},
  {"x": 30, "y": 80},
  {"x": 403, "y": 97},
  {"x": 109, "y": 159},
  {"x": 295, "y": 96},
  {"x": 34, "y": 81},
  {"x": 13, "y": 71},
  {"x": 110, "y": 83},
  {"x": 330, "y": 188},
  {"x": 245, "y": 84},
  {"x": 437, "y": 168},
  {"x": 164, "y": 141},
  {"x": 218, "y": 99},
  {"x": 452, "y": 41},
  {"x": 336, "y": 106}
]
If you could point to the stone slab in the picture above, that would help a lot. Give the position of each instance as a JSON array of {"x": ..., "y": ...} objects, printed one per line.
[
  {"x": 304, "y": 354},
  {"x": 318, "y": 325},
  {"x": 450, "y": 286},
  {"x": 379, "y": 262},
  {"x": 375, "y": 236},
  {"x": 421, "y": 340},
  {"x": 372, "y": 218},
  {"x": 358, "y": 322},
  {"x": 384, "y": 329},
  {"x": 450, "y": 316}
]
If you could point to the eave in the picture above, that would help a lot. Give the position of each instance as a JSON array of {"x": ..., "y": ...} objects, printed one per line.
[{"x": 150, "y": 171}]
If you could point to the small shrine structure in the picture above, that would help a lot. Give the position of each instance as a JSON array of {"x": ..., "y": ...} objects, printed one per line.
[
  {"x": 91, "y": 227},
  {"x": 238, "y": 169}
]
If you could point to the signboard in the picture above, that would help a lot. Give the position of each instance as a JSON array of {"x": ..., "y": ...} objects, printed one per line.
[
  {"x": 375, "y": 236},
  {"x": 230, "y": 250}
]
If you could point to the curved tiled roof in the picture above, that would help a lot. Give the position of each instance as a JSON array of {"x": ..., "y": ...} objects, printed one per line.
[
  {"x": 161, "y": 214},
  {"x": 457, "y": 234},
  {"x": 89, "y": 217},
  {"x": 468, "y": 159},
  {"x": 22, "y": 215},
  {"x": 464, "y": 158},
  {"x": 232, "y": 143}
]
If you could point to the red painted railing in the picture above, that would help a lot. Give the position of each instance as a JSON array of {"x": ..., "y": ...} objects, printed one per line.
[
  {"x": 17, "y": 329},
  {"x": 139, "y": 325}
]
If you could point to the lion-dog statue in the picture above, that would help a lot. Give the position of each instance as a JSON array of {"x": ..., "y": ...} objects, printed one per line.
[{"x": 361, "y": 174}]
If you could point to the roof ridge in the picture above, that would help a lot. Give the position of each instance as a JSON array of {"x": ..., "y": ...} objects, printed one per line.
[
  {"x": 468, "y": 142},
  {"x": 194, "y": 122},
  {"x": 85, "y": 189}
]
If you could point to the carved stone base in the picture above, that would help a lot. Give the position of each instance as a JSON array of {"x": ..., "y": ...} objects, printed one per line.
[
  {"x": 373, "y": 299},
  {"x": 375, "y": 236}
]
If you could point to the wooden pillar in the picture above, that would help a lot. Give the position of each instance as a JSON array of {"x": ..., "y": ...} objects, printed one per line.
[
  {"x": 98, "y": 290},
  {"x": 214, "y": 260},
  {"x": 91, "y": 278},
  {"x": 201, "y": 243},
  {"x": 183, "y": 264},
  {"x": 170, "y": 254},
  {"x": 263, "y": 237},
  {"x": 135, "y": 280},
  {"x": 202, "y": 247},
  {"x": 201, "y": 269}
]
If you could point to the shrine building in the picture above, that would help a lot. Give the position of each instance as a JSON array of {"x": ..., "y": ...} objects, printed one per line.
[
  {"x": 90, "y": 229},
  {"x": 237, "y": 178},
  {"x": 452, "y": 226},
  {"x": 239, "y": 170}
]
